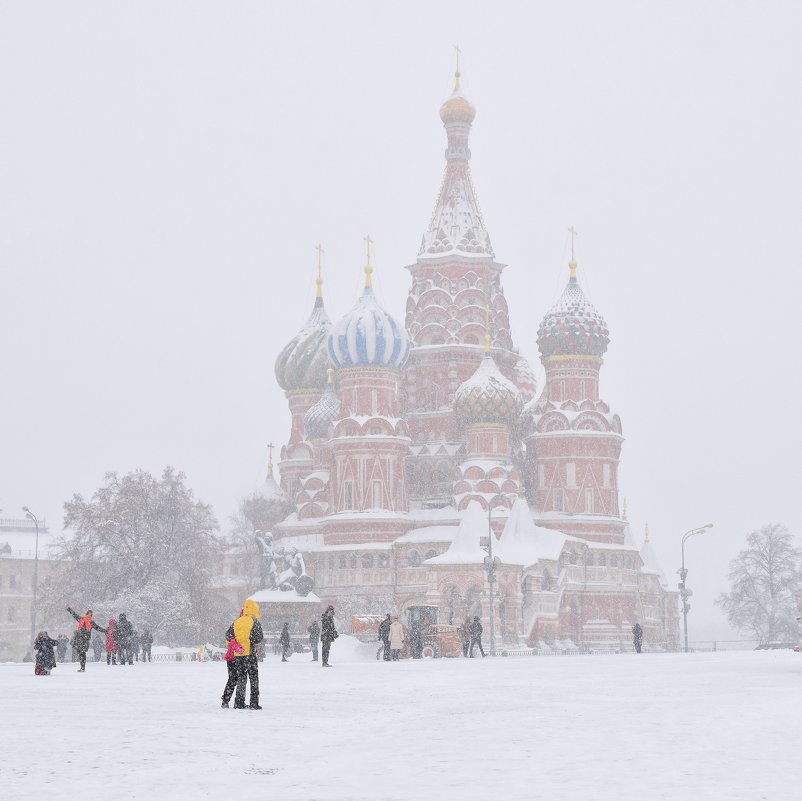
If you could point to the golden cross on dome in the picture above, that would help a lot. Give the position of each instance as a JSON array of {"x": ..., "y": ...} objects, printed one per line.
[
  {"x": 319, "y": 280},
  {"x": 368, "y": 268},
  {"x": 270, "y": 447},
  {"x": 457, "y": 73},
  {"x": 572, "y": 263}
]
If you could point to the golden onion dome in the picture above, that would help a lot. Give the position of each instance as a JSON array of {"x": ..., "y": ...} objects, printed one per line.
[
  {"x": 488, "y": 396},
  {"x": 457, "y": 108}
]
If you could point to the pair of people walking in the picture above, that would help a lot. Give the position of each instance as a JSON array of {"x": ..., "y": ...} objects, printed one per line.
[{"x": 243, "y": 638}]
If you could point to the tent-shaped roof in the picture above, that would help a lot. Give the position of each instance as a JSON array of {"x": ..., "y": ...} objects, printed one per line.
[{"x": 465, "y": 548}]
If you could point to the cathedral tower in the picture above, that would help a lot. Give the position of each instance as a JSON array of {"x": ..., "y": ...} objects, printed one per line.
[
  {"x": 455, "y": 277},
  {"x": 574, "y": 442},
  {"x": 369, "y": 443}
]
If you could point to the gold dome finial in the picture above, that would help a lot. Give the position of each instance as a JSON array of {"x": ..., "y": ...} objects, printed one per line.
[
  {"x": 457, "y": 73},
  {"x": 270, "y": 460},
  {"x": 330, "y": 376},
  {"x": 488, "y": 338},
  {"x": 368, "y": 268},
  {"x": 572, "y": 263},
  {"x": 319, "y": 279}
]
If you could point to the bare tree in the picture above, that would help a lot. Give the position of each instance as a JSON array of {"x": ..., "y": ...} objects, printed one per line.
[{"x": 765, "y": 581}]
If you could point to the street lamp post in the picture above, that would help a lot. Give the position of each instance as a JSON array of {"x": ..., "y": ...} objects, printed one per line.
[
  {"x": 491, "y": 565},
  {"x": 684, "y": 592},
  {"x": 31, "y": 516}
]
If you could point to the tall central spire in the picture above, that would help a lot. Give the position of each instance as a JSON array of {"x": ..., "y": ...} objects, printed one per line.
[{"x": 457, "y": 225}]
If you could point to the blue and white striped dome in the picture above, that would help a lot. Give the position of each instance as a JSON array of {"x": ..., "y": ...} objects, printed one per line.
[{"x": 368, "y": 336}]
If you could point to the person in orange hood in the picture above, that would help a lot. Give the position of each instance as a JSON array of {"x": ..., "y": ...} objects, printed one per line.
[
  {"x": 246, "y": 631},
  {"x": 83, "y": 635}
]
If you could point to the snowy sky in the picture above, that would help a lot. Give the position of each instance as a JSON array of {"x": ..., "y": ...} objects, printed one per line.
[{"x": 167, "y": 169}]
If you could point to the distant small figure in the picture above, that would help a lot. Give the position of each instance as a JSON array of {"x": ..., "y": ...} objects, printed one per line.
[
  {"x": 61, "y": 648},
  {"x": 476, "y": 636},
  {"x": 135, "y": 645},
  {"x": 97, "y": 646},
  {"x": 416, "y": 641},
  {"x": 384, "y": 636},
  {"x": 328, "y": 634},
  {"x": 111, "y": 642},
  {"x": 284, "y": 639},
  {"x": 637, "y": 637},
  {"x": 465, "y": 636},
  {"x": 124, "y": 633},
  {"x": 82, "y": 637},
  {"x": 314, "y": 637},
  {"x": 396, "y": 635},
  {"x": 146, "y": 642},
  {"x": 45, "y": 656}
]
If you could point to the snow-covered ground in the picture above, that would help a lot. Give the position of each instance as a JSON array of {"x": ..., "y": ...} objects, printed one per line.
[{"x": 671, "y": 726}]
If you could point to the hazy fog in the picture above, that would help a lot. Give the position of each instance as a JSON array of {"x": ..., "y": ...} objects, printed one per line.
[{"x": 167, "y": 169}]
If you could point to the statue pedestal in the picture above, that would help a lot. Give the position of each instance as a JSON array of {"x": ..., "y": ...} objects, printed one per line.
[{"x": 279, "y": 607}]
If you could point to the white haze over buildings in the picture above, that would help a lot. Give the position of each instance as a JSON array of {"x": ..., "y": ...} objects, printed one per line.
[{"x": 166, "y": 171}]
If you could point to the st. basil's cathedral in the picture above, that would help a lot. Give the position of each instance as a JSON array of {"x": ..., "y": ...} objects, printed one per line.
[{"x": 411, "y": 441}]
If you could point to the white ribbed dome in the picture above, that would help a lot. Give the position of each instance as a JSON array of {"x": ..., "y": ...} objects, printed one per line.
[{"x": 368, "y": 336}]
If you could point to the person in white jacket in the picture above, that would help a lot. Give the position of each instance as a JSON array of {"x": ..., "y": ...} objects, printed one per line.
[{"x": 396, "y": 638}]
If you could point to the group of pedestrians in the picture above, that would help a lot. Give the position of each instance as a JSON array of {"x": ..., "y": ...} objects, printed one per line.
[
  {"x": 243, "y": 640},
  {"x": 121, "y": 641}
]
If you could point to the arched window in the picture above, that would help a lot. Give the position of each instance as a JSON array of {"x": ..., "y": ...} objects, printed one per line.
[
  {"x": 589, "y": 559},
  {"x": 384, "y": 560},
  {"x": 613, "y": 560},
  {"x": 602, "y": 560},
  {"x": 343, "y": 562},
  {"x": 572, "y": 557},
  {"x": 353, "y": 562},
  {"x": 367, "y": 561},
  {"x": 413, "y": 559}
]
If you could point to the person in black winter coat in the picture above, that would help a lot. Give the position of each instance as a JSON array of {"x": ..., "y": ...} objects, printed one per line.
[
  {"x": 45, "y": 657},
  {"x": 328, "y": 634},
  {"x": 61, "y": 647},
  {"x": 314, "y": 638},
  {"x": 284, "y": 639},
  {"x": 83, "y": 636},
  {"x": 97, "y": 646},
  {"x": 476, "y": 635},
  {"x": 146, "y": 641},
  {"x": 125, "y": 633},
  {"x": 637, "y": 637},
  {"x": 135, "y": 645},
  {"x": 384, "y": 636}
]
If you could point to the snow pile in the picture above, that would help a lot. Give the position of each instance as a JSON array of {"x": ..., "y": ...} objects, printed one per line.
[
  {"x": 349, "y": 649},
  {"x": 524, "y": 543},
  {"x": 465, "y": 548}
]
